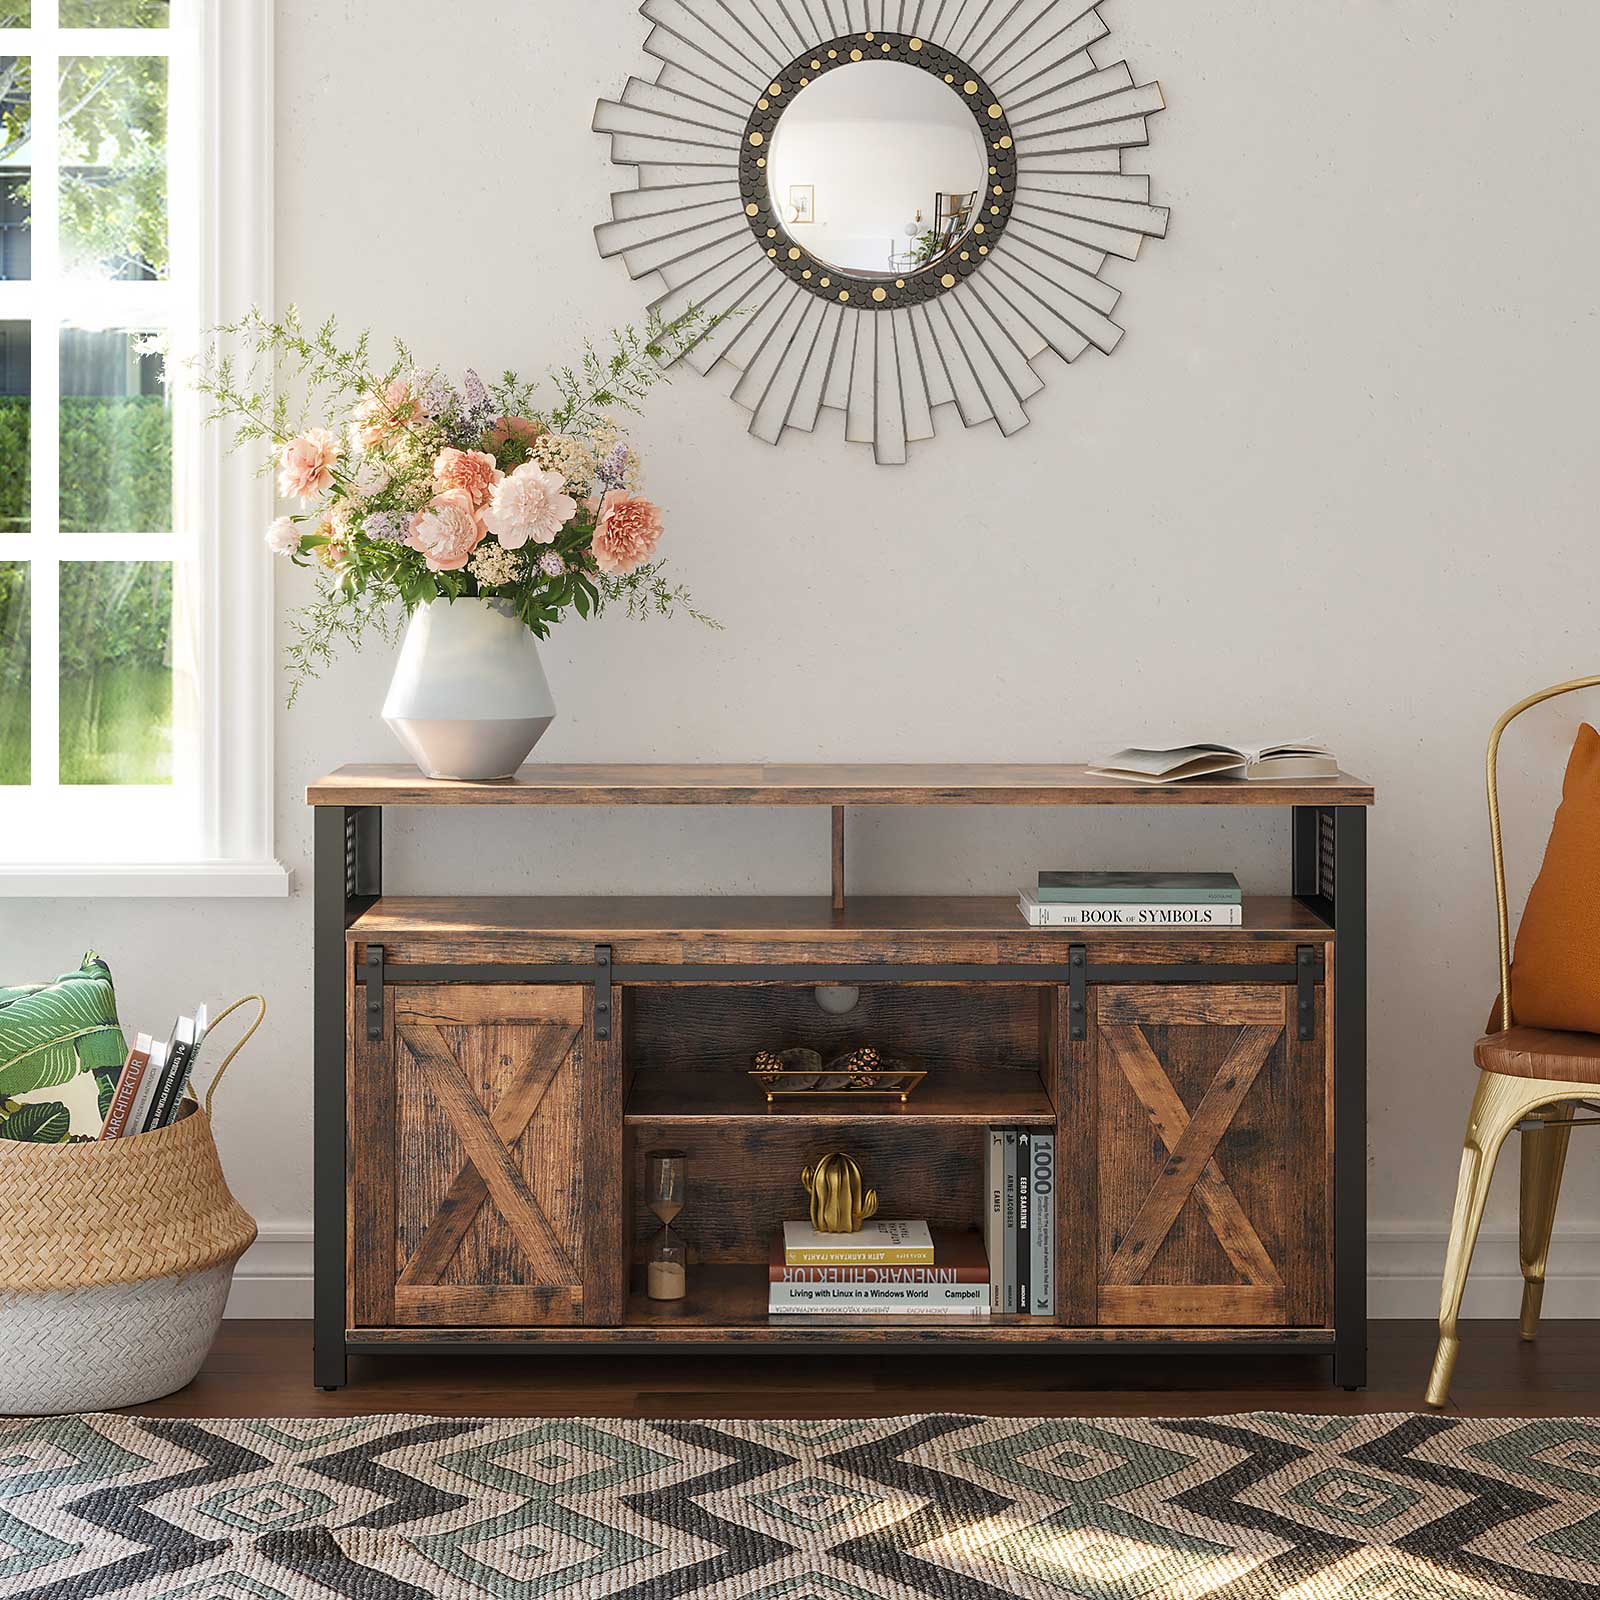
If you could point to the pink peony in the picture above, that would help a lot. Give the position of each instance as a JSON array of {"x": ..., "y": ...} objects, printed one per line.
[
  {"x": 380, "y": 418},
  {"x": 306, "y": 465},
  {"x": 471, "y": 471},
  {"x": 530, "y": 504},
  {"x": 627, "y": 533},
  {"x": 446, "y": 531}
]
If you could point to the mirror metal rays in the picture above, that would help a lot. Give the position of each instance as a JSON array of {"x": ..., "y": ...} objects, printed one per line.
[{"x": 907, "y": 201}]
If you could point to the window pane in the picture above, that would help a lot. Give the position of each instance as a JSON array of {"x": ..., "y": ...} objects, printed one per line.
[
  {"x": 15, "y": 14},
  {"x": 116, "y": 672},
  {"x": 15, "y": 709},
  {"x": 16, "y": 462},
  {"x": 112, "y": 13},
  {"x": 116, "y": 433},
  {"x": 16, "y": 109},
  {"x": 114, "y": 166}
]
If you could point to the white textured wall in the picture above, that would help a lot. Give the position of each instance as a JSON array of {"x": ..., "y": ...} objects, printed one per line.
[{"x": 1338, "y": 480}]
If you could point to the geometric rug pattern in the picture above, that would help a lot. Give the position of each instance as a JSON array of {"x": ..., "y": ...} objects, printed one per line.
[{"x": 1259, "y": 1507}]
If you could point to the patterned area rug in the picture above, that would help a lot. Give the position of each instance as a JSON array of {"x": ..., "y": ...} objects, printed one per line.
[{"x": 1261, "y": 1507}]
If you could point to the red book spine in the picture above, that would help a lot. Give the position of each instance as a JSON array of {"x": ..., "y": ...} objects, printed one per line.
[{"x": 126, "y": 1091}]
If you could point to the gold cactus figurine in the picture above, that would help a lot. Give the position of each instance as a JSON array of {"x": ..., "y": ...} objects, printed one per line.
[{"x": 839, "y": 1202}]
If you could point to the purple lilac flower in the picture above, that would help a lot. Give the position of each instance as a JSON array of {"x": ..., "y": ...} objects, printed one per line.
[
  {"x": 551, "y": 564},
  {"x": 474, "y": 391},
  {"x": 435, "y": 396},
  {"x": 610, "y": 473},
  {"x": 389, "y": 525}
]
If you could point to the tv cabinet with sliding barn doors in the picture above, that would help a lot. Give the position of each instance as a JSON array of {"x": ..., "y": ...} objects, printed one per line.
[{"x": 490, "y": 1072}]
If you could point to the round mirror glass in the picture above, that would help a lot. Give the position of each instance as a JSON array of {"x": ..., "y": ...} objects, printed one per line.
[{"x": 877, "y": 168}]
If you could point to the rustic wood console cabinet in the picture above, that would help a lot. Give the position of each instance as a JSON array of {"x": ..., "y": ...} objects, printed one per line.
[{"x": 490, "y": 1072}]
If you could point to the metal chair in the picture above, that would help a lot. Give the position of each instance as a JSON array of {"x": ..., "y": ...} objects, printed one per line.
[{"x": 1531, "y": 1080}]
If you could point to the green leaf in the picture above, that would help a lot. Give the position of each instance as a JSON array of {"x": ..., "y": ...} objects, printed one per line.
[
  {"x": 49, "y": 1036},
  {"x": 40, "y": 1122}
]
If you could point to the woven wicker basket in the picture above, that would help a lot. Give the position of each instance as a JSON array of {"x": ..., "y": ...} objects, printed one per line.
[{"x": 115, "y": 1263}]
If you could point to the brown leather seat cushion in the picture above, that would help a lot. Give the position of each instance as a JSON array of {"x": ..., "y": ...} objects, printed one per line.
[{"x": 1540, "y": 1053}]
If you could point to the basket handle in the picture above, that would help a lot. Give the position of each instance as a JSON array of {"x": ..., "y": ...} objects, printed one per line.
[{"x": 228, "y": 1059}]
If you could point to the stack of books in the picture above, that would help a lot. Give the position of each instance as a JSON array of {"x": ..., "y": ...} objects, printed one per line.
[
  {"x": 888, "y": 1269},
  {"x": 154, "y": 1079},
  {"x": 1134, "y": 900},
  {"x": 1019, "y": 1179}
]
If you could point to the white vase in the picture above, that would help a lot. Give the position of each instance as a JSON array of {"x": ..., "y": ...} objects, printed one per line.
[{"x": 469, "y": 697}]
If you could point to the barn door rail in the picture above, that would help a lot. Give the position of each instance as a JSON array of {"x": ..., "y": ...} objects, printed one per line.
[{"x": 376, "y": 972}]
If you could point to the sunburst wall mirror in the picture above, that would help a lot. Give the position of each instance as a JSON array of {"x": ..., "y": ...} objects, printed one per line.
[{"x": 907, "y": 202}]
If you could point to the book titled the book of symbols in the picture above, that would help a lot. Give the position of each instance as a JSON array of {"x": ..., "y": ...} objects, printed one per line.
[
  {"x": 903, "y": 1244},
  {"x": 1058, "y": 914}
]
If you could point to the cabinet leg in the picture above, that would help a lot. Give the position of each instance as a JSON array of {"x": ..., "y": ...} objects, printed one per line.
[
  {"x": 1350, "y": 1359},
  {"x": 330, "y": 1367}
]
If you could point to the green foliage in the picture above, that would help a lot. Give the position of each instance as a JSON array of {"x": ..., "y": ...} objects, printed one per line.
[
  {"x": 115, "y": 614},
  {"x": 16, "y": 88},
  {"x": 41, "y": 1122},
  {"x": 49, "y": 1033},
  {"x": 114, "y": 13},
  {"x": 16, "y": 470},
  {"x": 116, "y": 464},
  {"x": 114, "y": 164},
  {"x": 15, "y": 629}
]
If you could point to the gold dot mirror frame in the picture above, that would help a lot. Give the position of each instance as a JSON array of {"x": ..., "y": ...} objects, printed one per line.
[{"x": 886, "y": 350}]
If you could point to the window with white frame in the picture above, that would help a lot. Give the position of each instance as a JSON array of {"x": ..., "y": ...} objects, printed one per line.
[{"x": 133, "y": 745}]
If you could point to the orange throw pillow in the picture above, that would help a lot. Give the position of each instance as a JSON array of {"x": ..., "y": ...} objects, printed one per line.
[{"x": 1555, "y": 979}]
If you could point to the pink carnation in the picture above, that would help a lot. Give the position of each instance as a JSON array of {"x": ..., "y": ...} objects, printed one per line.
[
  {"x": 446, "y": 531},
  {"x": 471, "y": 471},
  {"x": 380, "y": 418},
  {"x": 306, "y": 465},
  {"x": 530, "y": 504},
  {"x": 627, "y": 533}
]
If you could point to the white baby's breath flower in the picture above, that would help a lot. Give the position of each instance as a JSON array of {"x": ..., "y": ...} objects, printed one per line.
[{"x": 492, "y": 565}]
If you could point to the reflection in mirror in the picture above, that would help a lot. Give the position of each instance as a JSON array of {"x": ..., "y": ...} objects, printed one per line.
[{"x": 877, "y": 168}]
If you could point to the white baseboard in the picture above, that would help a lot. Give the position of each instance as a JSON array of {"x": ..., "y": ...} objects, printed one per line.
[
  {"x": 1403, "y": 1267},
  {"x": 274, "y": 1278}
]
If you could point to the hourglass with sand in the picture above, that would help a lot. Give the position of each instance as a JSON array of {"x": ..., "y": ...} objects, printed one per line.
[{"x": 666, "y": 1274}]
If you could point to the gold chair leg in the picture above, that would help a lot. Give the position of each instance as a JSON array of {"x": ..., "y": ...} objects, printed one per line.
[
  {"x": 1544, "y": 1156},
  {"x": 1499, "y": 1105}
]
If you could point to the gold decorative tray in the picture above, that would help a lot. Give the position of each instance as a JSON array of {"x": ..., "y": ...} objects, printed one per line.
[{"x": 862, "y": 1074}]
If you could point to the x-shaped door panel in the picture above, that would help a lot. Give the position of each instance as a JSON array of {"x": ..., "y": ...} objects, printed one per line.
[
  {"x": 1191, "y": 1143},
  {"x": 491, "y": 1172}
]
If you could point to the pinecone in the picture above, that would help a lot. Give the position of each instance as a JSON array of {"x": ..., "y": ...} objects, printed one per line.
[
  {"x": 862, "y": 1066},
  {"x": 768, "y": 1067}
]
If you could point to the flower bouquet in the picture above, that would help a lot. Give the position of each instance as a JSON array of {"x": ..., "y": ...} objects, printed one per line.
[{"x": 470, "y": 509}]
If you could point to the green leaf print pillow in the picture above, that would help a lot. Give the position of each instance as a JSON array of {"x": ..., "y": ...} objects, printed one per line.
[{"x": 60, "y": 1054}]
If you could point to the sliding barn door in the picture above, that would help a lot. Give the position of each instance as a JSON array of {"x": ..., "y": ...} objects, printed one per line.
[
  {"x": 1209, "y": 1204},
  {"x": 482, "y": 1189}
]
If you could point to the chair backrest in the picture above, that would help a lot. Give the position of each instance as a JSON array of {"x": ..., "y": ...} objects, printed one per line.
[{"x": 1492, "y": 775}]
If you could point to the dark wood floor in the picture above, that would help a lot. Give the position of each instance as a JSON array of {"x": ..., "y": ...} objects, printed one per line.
[{"x": 264, "y": 1369}]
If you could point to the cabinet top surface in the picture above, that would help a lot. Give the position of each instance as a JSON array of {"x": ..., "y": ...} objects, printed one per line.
[{"x": 832, "y": 784}]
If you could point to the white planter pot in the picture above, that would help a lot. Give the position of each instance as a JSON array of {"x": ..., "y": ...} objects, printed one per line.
[{"x": 469, "y": 697}]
